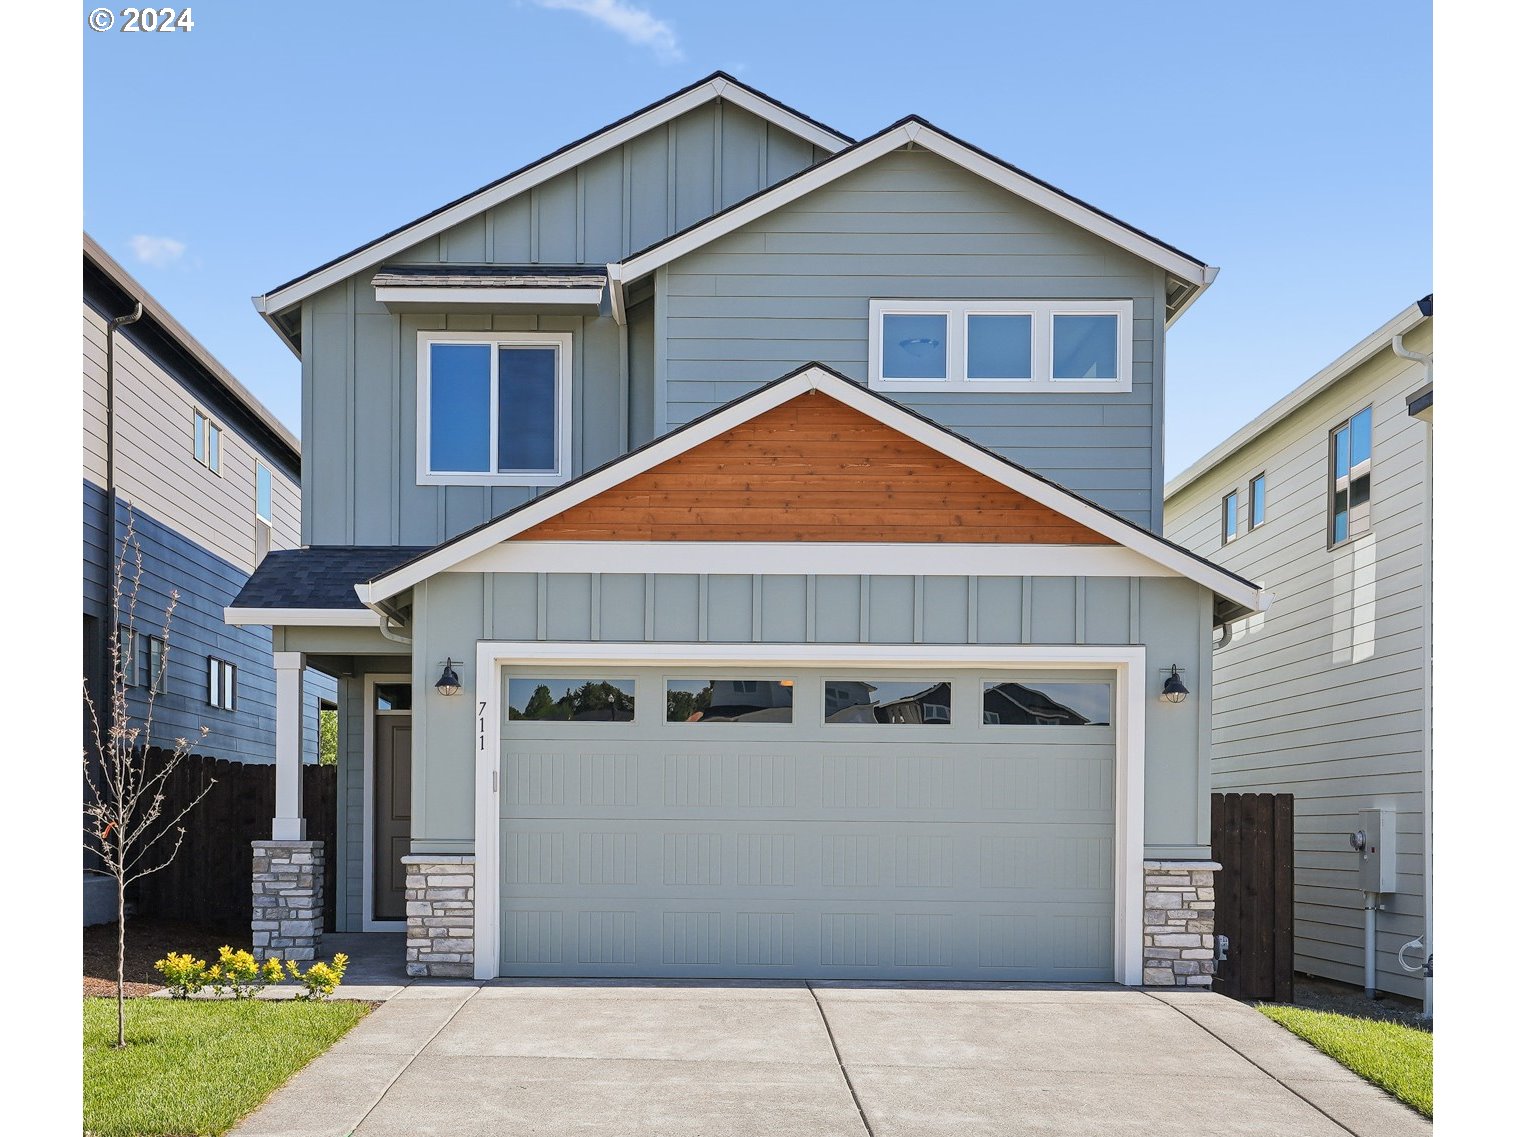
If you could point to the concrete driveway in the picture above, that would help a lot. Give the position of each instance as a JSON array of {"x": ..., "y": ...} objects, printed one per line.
[{"x": 851, "y": 1060}]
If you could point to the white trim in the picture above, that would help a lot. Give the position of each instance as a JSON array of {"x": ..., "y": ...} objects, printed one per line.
[
  {"x": 1180, "y": 561},
  {"x": 370, "y": 681},
  {"x": 1129, "y": 703},
  {"x": 743, "y": 557},
  {"x": 289, "y": 746},
  {"x": 1042, "y": 314},
  {"x": 301, "y": 617},
  {"x": 929, "y": 138},
  {"x": 476, "y": 203},
  {"x": 445, "y": 298},
  {"x": 562, "y": 342}
]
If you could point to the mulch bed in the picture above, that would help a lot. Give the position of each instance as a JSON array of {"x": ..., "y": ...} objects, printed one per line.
[{"x": 147, "y": 940}]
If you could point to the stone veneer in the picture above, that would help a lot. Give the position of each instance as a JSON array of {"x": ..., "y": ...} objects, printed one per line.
[
  {"x": 439, "y": 916},
  {"x": 287, "y": 899},
  {"x": 1178, "y": 923}
]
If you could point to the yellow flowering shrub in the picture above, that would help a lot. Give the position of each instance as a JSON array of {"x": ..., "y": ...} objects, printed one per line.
[
  {"x": 241, "y": 974},
  {"x": 183, "y": 975},
  {"x": 320, "y": 979}
]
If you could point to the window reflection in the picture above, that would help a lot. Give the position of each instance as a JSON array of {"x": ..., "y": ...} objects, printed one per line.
[
  {"x": 392, "y": 696},
  {"x": 730, "y": 700},
  {"x": 910, "y": 701},
  {"x": 1047, "y": 704},
  {"x": 571, "y": 700}
]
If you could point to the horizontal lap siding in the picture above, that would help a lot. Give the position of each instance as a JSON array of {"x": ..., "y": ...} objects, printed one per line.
[
  {"x": 1322, "y": 696},
  {"x": 794, "y": 286}
]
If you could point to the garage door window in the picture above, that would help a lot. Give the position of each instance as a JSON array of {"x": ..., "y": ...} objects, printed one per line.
[
  {"x": 1047, "y": 704},
  {"x": 730, "y": 700},
  {"x": 910, "y": 702},
  {"x": 577, "y": 699}
]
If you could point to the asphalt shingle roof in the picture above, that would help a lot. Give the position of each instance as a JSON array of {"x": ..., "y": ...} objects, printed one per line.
[{"x": 319, "y": 577}]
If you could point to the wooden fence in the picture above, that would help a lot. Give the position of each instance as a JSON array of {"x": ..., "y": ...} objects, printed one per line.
[
  {"x": 1253, "y": 836},
  {"x": 210, "y": 882}
]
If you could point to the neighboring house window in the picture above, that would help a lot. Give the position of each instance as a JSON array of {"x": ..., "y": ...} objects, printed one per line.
[
  {"x": 1256, "y": 509},
  {"x": 222, "y": 684},
  {"x": 154, "y": 661},
  {"x": 1229, "y": 517},
  {"x": 1352, "y": 446},
  {"x": 263, "y": 508},
  {"x": 207, "y": 443},
  {"x": 493, "y": 409},
  {"x": 1000, "y": 345}
]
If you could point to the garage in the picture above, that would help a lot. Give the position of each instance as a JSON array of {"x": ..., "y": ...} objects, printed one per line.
[{"x": 796, "y": 821}]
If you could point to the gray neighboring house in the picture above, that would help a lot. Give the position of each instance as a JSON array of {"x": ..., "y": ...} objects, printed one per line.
[
  {"x": 1326, "y": 499},
  {"x": 739, "y": 547},
  {"x": 210, "y": 480}
]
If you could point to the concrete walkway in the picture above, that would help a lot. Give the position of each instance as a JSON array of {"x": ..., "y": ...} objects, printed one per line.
[{"x": 774, "y": 1059}]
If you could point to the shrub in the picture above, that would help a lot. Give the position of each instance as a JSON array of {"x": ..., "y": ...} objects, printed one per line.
[
  {"x": 183, "y": 975},
  {"x": 320, "y": 979},
  {"x": 241, "y": 974}
]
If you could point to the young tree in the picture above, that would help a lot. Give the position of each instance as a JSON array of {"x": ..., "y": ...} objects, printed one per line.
[{"x": 124, "y": 809}]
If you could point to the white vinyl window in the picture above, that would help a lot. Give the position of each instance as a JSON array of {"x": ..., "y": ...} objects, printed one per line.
[
  {"x": 1000, "y": 345},
  {"x": 221, "y": 683},
  {"x": 207, "y": 442},
  {"x": 493, "y": 408},
  {"x": 263, "y": 494}
]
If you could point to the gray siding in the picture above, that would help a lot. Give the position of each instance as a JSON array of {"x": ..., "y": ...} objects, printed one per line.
[
  {"x": 1323, "y": 696},
  {"x": 359, "y": 362},
  {"x": 794, "y": 286}
]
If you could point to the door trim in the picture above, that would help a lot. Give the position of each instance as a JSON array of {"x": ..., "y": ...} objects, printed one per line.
[
  {"x": 1129, "y": 663},
  {"x": 370, "y": 681}
]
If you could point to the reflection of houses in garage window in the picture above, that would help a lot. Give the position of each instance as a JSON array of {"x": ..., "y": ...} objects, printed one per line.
[
  {"x": 888, "y": 701},
  {"x": 730, "y": 700},
  {"x": 1047, "y": 704}
]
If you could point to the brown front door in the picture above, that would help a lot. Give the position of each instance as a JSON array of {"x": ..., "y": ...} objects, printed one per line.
[{"x": 392, "y": 812}]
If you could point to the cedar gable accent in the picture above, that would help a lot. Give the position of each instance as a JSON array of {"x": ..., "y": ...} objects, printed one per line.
[{"x": 813, "y": 469}]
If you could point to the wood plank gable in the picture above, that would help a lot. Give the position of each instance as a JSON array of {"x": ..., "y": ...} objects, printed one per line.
[{"x": 813, "y": 469}]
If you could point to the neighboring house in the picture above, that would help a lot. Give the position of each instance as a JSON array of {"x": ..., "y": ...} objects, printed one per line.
[
  {"x": 720, "y": 410},
  {"x": 1325, "y": 498},
  {"x": 209, "y": 480}
]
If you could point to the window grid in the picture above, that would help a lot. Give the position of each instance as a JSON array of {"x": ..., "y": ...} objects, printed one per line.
[{"x": 1350, "y": 461}]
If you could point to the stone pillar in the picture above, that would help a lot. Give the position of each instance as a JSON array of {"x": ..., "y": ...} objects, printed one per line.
[
  {"x": 1178, "y": 923},
  {"x": 287, "y": 899},
  {"x": 439, "y": 916}
]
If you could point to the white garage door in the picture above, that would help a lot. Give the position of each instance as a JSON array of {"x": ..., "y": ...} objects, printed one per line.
[{"x": 799, "y": 823}]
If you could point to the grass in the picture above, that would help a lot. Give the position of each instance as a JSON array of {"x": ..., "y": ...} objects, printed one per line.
[
  {"x": 1395, "y": 1057},
  {"x": 197, "y": 1067}
]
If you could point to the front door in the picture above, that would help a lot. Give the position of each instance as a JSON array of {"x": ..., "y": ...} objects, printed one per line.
[{"x": 392, "y": 812}]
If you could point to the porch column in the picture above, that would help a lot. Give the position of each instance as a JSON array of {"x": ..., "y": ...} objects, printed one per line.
[{"x": 289, "y": 705}]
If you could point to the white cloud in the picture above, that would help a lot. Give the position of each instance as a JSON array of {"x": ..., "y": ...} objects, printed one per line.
[
  {"x": 156, "y": 251},
  {"x": 633, "y": 24}
]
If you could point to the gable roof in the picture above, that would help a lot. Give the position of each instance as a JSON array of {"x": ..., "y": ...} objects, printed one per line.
[
  {"x": 717, "y": 85},
  {"x": 816, "y": 377},
  {"x": 1373, "y": 343},
  {"x": 1193, "y": 274}
]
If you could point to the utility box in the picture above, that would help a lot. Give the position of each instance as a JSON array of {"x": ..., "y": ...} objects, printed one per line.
[{"x": 1376, "y": 859}]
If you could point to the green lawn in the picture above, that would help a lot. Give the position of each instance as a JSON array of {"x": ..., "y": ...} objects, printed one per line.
[
  {"x": 1396, "y": 1057},
  {"x": 197, "y": 1067}
]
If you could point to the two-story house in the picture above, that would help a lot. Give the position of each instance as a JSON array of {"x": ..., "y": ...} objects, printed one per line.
[
  {"x": 718, "y": 409},
  {"x": 1326, "y": 497},
  {"x": 207, "y": 480}
]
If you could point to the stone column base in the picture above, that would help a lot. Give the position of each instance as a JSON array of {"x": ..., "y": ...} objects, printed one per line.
[
  {"x": 439, "y": 916},
  {"x": 1178, "y": 923},
  {"x": 287, "y": 899}
]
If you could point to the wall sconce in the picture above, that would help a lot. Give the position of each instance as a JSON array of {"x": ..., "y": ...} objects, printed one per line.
[
  {"x": 1174, "y": 689},
  {"x": 449, "y": 684}
]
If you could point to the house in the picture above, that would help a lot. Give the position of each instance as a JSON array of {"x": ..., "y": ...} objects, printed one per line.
[
  {"x": 719, "y": 410},
  {"x": 1326, "y": 498},
  {"x": 208, "y": 480}
]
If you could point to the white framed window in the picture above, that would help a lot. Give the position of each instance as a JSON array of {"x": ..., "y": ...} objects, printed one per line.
[
  {"x": 263, "y": 493},
  {"x": 207, "y": 442},
  {"x": 1352, "y": 450},
  {"x": 1000, "y": 345},
  {"x": 1257, "y": 507},
  {"x": 221, "y": 684},
  {"x": 1229, "y": 518},
  {"x": 493, "y": 408}
]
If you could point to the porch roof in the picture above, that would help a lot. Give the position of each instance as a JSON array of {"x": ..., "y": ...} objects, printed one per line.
[{"x": 320, "y": 578}]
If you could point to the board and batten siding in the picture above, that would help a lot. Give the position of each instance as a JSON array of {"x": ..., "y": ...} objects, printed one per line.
[
  {"x": 794, "y": 286},
  {"x": 1323, "y": 695},
  {"x": 358, "y": 418},
  {"x": 1171, "y": 616}
]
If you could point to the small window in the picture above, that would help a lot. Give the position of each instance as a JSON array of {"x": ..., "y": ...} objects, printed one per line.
[
  {"x": 156, "y": 658},
  {"x": 571, "y": 700},
  {"x": 1047, "y": 704},
  {"x": 999, "y": 347},
  {"x": 730, "y": 700},
  {"x": 1229, "y": 517},
  {"x": 200, "y": 424},
  {"x": 889, "y": 701},
  {"x": 215, "y": 449},
  {"x": 1351, "y": 456},
  {"x": 915, "y": 346},
  {"x": 392, "y": 697},
  {"x": 221, "y": 682},
  {"x": 207, "y": 442},
  {"x": 1084, "y": 347},
  {"x": 1256, "y": 508},
  {"x": 264, "y": 493}
]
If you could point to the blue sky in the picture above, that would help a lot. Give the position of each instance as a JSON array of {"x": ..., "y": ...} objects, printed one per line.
[{"x": 1288, "y": 143}]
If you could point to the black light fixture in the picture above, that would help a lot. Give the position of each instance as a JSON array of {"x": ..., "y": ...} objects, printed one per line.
[
  {"x": 1174, "y": 689},
  {"x": 449, "y": 684}
]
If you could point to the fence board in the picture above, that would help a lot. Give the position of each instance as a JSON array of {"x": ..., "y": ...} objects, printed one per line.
[{"x": 1253, "y": 837}]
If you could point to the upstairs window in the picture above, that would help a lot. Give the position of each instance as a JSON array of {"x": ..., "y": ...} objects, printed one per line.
[
  {"x": 1000, "y": 345},
  {"x": 207, "y": 442},
  {"x": 493, "y": 408},
  {"x": 1351, "y": 455},
  {"x": 1256, "y": 510},
  {"x": 1229, "y": 517},
  {"x": 263, "y": 494}
]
